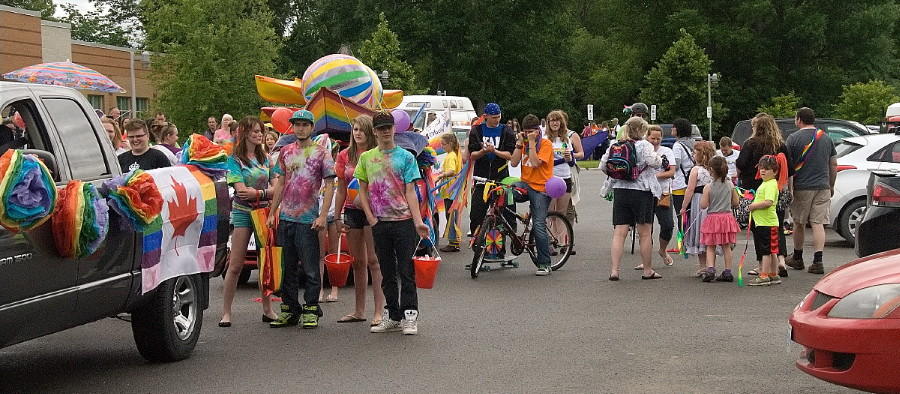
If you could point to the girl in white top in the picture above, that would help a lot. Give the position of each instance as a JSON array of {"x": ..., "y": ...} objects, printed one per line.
[{"x": 566, "y": 149}]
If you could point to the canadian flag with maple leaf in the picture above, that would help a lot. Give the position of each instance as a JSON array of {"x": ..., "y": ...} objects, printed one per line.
[{"x": 175, "y": 236}]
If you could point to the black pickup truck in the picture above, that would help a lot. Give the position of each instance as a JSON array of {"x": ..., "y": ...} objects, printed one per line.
[{"x": 42, "y": 293}]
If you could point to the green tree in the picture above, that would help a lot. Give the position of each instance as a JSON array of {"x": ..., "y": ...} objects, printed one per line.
[
  {"x": 46, "y": 7},
  {"x": 382, "y": 52},
  {"x": 784, "y": 106},
  {"x": 95, "y": 26},
  {"x": 202, "y": 69},
  {"x": 677, "y": 84},
  {"x": 865, "y": 102}
]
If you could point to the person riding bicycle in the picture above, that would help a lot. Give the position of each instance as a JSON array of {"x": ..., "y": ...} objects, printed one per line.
[
  {"x": 536, "y": 155},
  {"x": 491, "y": 145}
]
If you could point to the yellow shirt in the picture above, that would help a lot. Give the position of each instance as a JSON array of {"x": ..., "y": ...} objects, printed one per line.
[
  {"x": 767, "y": 191},
  {"x": 452, "y": 162}
]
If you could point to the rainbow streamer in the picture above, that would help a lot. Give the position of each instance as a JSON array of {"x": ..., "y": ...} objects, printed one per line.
[
  {"x": 425, "y": 191},
  {"x": 209, "y": 157},
  {"x": 805, "y": 152},
  {"x": 681, "y": 249},
  {"x": 80, "y": 220},
  {"x": 435, "y": 144},
  {"x": 27, "y": 191},
  {"x": 136, "y": 197},
  {"x": 740, "y": 278}
]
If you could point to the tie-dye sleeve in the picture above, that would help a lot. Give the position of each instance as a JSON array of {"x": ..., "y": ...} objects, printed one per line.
[{"x": 234, "y": 172}]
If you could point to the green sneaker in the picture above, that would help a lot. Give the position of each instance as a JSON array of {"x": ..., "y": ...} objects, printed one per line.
[
  {"x": 286, "y": 318},
  {"x": 759, "y": 281},
  {"x": 310, "y": 316},
  {"x": 543, "y": 270},
  {"x": 775, "y": 280}
]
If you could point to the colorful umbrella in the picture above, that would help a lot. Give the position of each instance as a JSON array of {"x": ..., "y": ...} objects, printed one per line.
[{"x": 65, "y": 74}]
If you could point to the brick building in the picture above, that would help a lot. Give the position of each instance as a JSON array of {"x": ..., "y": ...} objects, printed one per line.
[{"x": 26, "y": 39}]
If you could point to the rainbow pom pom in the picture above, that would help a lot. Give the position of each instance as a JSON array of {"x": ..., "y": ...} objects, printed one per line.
[
  {"x": 27, "y": 191},
  {"x": 80, "y": 220}
]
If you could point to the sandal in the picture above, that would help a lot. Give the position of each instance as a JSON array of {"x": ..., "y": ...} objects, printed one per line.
[
  {"x": 753, "y": 272},
  {"x": 639, "y": 267},
  {"x": 450, "y": 249},
  {"x": 614, "y": 278},
  {"x": 668, "y": 261},
  {"x": 331, "y": 298},
  {"x": 350, "y": 319},
  {"x": 653, "y": 275},
  {"x": 375, "y": 322}
]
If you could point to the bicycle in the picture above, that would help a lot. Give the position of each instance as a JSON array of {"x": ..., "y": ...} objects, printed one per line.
[{"x": 488, "y": 239}]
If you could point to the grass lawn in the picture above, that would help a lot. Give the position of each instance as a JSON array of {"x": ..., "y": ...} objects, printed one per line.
[{"x": 588, "y": 163}]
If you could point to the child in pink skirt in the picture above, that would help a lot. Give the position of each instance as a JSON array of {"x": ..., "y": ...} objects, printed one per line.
[{"x": 719, "y": 227}]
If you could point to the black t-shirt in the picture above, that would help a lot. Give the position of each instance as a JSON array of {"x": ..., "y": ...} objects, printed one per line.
[
  {"x": 6, "y": 135},
  {"x": 150, "y": 160},
  {"x": 492, "y": 166}
]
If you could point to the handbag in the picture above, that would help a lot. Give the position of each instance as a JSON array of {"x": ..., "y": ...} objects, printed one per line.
[
  {"x": 665, "y": 201},
  {"x": 784, "y": 200},
  {"x": 271, "y": 263}
]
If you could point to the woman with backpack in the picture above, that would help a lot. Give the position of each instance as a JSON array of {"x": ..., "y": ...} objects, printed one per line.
[
  {"x": 635, "y": 191},
  {"x": 683, "y": 148}
]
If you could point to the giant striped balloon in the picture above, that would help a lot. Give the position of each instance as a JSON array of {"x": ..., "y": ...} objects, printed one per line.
[{"x": 347, "y": 76}]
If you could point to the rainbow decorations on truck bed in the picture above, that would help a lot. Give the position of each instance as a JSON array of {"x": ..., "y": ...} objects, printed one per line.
[
  {"x": 136, "y": 197},
  {"x": 210, "y": 158},
  {"x": 334, "y": 113},
  {"x": 27, "y": 191},
  {"x": 80, "y": 220},
  {"x": 181, "y": 240}
]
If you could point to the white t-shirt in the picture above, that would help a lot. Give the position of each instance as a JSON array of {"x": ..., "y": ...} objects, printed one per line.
[
  {"x": 684, "y": 161},
  {"x": 731, "y": 160},
  {"x": 561, "y": 170},
  {"x": 665, "y": 184}
]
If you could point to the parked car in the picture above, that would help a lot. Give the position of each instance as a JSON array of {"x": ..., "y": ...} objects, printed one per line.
[
  {"x": 42, "y": 293},
  {"x": 848, "y": 325},
  {"x": 877, "y": 231},
  {"x": 855, "y": 157},
  {"x": 669, "y": 140},
  {"x": 837, "y": 129}
]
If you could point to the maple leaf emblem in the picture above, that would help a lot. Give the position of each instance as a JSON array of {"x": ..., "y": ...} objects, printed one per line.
[{"x": 182, "y": 211}]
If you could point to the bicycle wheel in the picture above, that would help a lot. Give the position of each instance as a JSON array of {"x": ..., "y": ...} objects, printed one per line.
[
  {"x": 561, "y": 239},
  {"x": 478, "y": 245}
]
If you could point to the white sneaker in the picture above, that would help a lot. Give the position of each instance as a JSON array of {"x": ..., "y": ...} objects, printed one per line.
[
  {"x": 410, "y": 326},
  {"x": 386, "y": 325}
]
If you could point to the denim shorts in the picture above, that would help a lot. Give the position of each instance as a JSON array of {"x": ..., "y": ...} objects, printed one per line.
[
  {"x": 241, "y": 219},
  {"x": 355, "y": 218}
]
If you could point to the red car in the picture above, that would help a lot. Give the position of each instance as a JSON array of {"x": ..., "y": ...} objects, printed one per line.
[{"x": 849, "y": 325}]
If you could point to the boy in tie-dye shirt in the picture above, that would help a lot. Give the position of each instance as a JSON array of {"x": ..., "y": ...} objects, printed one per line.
[
  {"x": 386, "y": 188},
  {"x": 303, "y": 165}
]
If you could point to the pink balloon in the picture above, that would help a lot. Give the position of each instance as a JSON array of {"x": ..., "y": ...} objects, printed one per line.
[
  {"x": 401, "y": 120},
  {"x": 555, "y": 187}
]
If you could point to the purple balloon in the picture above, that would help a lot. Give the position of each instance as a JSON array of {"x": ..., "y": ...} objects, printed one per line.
[
  {"x": 556, "y": 187},
  {"x": 401, "y": 120}
]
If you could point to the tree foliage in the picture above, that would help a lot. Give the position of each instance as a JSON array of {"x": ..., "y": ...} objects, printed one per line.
[
  {"x": 46, "y": 7},
  {"x": 206, "y": 60},
  {"x": 784, "y": 106},
  {"x": 866, "y": 102},
  {"x": 382, "y": 53},
  {"x": 95, "y": 26}
]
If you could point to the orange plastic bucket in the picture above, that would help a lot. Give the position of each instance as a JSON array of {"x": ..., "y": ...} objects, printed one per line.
[
  {"x": 338, "y": 267},
  {"x": 426, "y": 270}
]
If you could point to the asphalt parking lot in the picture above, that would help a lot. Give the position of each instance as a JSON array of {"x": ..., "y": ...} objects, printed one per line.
[{"x": 506, "y": 331}]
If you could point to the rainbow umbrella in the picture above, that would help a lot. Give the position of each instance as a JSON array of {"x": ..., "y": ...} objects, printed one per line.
[{"x": 65, "y": 74}]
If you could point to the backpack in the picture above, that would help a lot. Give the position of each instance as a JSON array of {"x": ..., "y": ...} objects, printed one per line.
[{"x": 622, "y": 161}]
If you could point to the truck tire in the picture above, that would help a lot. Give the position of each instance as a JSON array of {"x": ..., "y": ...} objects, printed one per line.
[
  {"x": 244, "y": 277},
  {"x": 168, "y": 326},
  {"x": 850, "y": 217}
]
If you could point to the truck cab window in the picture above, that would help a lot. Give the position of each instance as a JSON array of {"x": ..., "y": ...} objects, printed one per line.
[{"x": 83, "y": 150}]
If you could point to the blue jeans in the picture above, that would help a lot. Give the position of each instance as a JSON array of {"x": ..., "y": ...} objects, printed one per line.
[
  {"x": 300, "y": 243},
  {"x": 539, "y": 203},
  {"x": 395, "y": 244}
]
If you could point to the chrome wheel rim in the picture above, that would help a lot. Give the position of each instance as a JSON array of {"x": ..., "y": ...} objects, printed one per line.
[{"x": 184, "y": 307}]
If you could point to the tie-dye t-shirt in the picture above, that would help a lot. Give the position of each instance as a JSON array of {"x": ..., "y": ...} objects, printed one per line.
[
  {"x": 303, "y": 169},
  {"x": 255, "y": 176},
  {"x": 387, "y": 174}
]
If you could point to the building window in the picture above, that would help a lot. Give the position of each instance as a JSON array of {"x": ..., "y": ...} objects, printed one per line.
[
  {"x": 143, "y": 105},
  {"x": 96, "y": 101},
  {"x": 123, "y": 103}
]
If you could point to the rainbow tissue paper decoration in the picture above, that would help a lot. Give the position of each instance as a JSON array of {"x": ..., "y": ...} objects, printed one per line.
[
  {"x": 210, "y": 158},
  {"x": 136, "y": 197},
  {"x": 80, "y": 220},
  {"x": 27, "y": 191}
]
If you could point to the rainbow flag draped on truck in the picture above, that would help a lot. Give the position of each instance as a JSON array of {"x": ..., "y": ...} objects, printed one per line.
[{"x": 182, "y": 239}]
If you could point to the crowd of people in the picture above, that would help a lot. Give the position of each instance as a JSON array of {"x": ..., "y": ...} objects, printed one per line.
[{"x": 691, "y": 188}]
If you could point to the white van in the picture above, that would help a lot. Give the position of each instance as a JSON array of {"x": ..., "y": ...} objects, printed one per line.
[{"x": 461, "y": 110}]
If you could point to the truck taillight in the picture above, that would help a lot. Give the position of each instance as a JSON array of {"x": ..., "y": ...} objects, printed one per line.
[
  {"x": 884, "y": 195},
  {"x": 845, "y": 167}
]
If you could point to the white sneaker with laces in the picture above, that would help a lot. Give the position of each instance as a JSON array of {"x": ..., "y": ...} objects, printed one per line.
[
  {"x": 409, "y": 323},
  {"x": 386, "y": 325}
]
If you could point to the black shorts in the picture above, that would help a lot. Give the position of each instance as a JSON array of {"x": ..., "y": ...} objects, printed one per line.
[
  {"x": 765, "y": 241},
  {"x": 355, "y": 218},
  {"x": 568, "y": 184},
  {"x": 632, "y": 207}
]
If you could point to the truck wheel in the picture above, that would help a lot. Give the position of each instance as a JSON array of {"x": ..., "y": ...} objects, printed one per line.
[
  {"x": 167, "y": 328},
  {"x": 244, "y": 277},
  {"x": 851, "y": 215}
]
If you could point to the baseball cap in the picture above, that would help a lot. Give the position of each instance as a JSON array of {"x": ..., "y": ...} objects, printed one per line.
[
  {"x": 382, "y": 119},
  {"x": 492, "y": 109},
  {"x": 639, "y": 108},
  {"x": 302, "y": 115}
]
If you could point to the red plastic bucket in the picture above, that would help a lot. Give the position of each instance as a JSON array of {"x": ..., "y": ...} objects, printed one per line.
[
  {"x": 426, "y": 270},
  {"x": 338, "y": 267}
]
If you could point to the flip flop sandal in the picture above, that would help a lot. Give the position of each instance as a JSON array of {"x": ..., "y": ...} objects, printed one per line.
[
  {"x": 350, "y": 319},
  {"x": 331, "y": 298},
  {"x": 375, "y": 322},
  {"x": 654, "y": 275},
  {"x": 753, "y": 272}
]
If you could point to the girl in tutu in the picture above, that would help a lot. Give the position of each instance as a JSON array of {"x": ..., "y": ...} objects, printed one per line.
[
  {"x": 693, "y": 215},
  {"x": 719, "y": 228}
]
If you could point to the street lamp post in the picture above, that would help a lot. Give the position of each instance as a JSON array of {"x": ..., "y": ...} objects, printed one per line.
[{"x": 710, "y": 80}]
